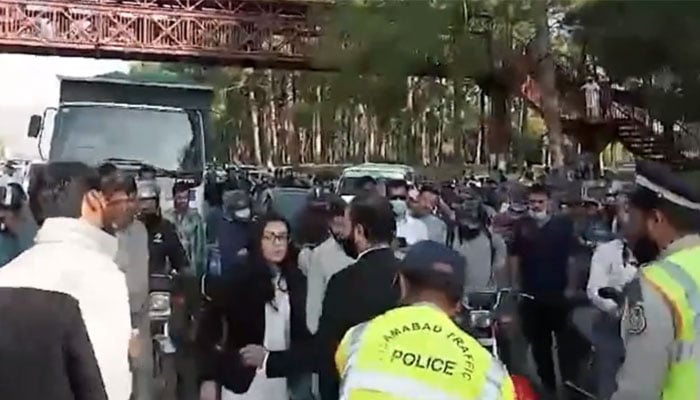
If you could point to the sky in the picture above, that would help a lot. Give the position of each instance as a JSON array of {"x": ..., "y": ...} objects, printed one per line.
[{"x": 28, "y": 84}]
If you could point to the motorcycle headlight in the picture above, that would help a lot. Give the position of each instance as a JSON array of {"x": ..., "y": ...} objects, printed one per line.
[
  {"x": 480, "y": 319},
  {"x": 159, "y": 303}
]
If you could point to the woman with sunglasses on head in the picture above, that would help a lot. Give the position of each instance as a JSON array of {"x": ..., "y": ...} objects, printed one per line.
[{"x": 253, "y": 333}]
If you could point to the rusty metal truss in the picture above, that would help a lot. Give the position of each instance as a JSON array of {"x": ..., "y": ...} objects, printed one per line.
[{"x": 274, "y": 34}]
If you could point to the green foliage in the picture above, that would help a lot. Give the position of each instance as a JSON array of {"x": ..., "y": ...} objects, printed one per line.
[
  {"x": 385, "y": 101},
  {"x": 652, "y": 45}
]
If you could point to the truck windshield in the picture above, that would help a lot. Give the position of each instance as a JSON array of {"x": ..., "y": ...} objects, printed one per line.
[{"x": 165, "y": 138}]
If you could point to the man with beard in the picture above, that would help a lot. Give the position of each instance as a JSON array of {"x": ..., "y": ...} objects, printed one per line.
[
  {"x": 484, "y": 250},
  {"x": 660, "y": 319},
  {"x": 190, "y": 227},
  {"x": 70, "y": 270},
  {"x": 542, "y": 266},
  {"x": 363, "y": 290},
  {"x": 165, "y": 252}
]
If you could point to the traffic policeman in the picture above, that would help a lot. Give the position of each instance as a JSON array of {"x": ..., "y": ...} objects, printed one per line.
[
  {"x": 661, "y": 319},
  {"x": 416, "y": 351}
]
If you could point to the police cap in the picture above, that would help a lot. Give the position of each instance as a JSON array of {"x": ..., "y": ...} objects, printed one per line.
[
  {"x": 437, "y": 263},
  {"x": 657, "y": 181}
]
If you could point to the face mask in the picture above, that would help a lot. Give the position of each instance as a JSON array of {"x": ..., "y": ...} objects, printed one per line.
[
  {"x": 645, "y": 250},
  {"x": 400, "y": 207},
  {"x": 243, "y": 214},
  {"x": 467, "y": 232},
  {"x": 149, "y": 218}
]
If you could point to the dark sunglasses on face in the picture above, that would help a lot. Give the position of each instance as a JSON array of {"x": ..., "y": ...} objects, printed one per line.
[{"x": 398, "y": 197}]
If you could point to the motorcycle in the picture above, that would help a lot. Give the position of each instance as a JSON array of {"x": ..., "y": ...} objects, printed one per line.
[
  {"x": 487, "y": 316},
  {"x": 585, "y": 386},
  {"x": 162, "y": 298}
]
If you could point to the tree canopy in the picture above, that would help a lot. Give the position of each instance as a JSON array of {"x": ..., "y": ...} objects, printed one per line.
[{"x": 651, "y": 46}]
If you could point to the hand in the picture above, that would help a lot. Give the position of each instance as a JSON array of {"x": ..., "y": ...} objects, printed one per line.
[
  {"x": 208, "y": 391},
  {"x": 253, "y": 355},
  {"x": 569, "y": 293},
  {"x": 134, "y": 344}
]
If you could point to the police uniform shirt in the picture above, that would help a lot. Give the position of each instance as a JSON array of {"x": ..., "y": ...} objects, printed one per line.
[
  {"x": 648, "y": 331},
  {"x": 648, "y": 322}
]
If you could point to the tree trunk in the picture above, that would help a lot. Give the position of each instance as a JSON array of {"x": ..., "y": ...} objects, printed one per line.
[
  {"x": 255, "y": 123},
  {"x": 294, "y": 141},
  {"x": 317, "y": 128},
  {"x": 546, "y": 78},
  {"x": 274, "y": 155}
]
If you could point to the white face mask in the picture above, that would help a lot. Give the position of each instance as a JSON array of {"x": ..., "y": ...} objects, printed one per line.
[
  {"x": 538, "y": 215},
  {"x": 242, "y": 214},
  {"x": 400, "y": 208}
]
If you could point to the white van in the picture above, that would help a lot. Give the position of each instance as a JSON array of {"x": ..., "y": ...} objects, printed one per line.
[{"x": 347, "y": 183}]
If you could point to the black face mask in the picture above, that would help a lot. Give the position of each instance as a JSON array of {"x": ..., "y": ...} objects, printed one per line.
[
  {"x": 645, "y": 250},
  {"x": 149, "y": 219},
  {"x": 468, "y": 232}
]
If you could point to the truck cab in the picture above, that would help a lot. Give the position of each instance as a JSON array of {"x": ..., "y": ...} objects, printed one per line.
[{"x": 131, "y": 124}]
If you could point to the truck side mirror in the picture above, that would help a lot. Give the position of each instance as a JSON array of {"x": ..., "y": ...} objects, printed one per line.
[{"x": 34, "y": 126}]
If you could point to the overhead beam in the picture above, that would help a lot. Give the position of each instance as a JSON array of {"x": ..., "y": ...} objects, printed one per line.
[{"x": 263, "y": 34}]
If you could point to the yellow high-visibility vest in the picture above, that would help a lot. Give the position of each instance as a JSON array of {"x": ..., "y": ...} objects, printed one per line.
[
  {"x": 677, "y": 279},
  {"x": 417, "y": 352}
]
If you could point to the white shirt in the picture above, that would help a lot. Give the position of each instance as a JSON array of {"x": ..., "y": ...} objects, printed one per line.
[
  {"x": 608, "y": 270},
  {"x": 73, "y": 257},
  {"x": 411, "y": 229},
  {"x": 276, "y": 338},
  {"x": 592, "y": 92}
]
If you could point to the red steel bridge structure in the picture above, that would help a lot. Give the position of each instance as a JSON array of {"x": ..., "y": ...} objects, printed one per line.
[{"x": 260, "y": 33}]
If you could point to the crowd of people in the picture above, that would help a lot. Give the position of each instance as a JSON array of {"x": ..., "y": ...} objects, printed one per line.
[{"x": 361, "y": 307}]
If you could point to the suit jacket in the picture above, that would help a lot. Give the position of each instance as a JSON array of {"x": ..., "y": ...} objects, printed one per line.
[
  {"x": 45, "y": 352},
  {"x": 234, "y": 316},
  {"x": 360, "y": 292}
]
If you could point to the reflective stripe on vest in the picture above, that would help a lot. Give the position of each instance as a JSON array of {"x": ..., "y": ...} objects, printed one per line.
[
  {"x": 690, "y": 287},
  {"x": 495, "y": 378},
  {"x": 398, "y": 386},
  {"x": 402, "y": 387},
  {"x": 679, "y": 285},
  {"x": 410, "y": 389}
]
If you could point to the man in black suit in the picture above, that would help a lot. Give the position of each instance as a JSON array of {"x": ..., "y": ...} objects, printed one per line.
[
  {"x": 365, "y": 289},
  {"x": 45, "y": 352}
]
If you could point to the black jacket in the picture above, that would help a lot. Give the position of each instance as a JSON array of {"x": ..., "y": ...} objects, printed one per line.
[
  {"x": 45, "y": 352},
  {"x": 354, "y": 295},
  {"x": 234, "y": 316},
  {"x": 164, "y": 247}
]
